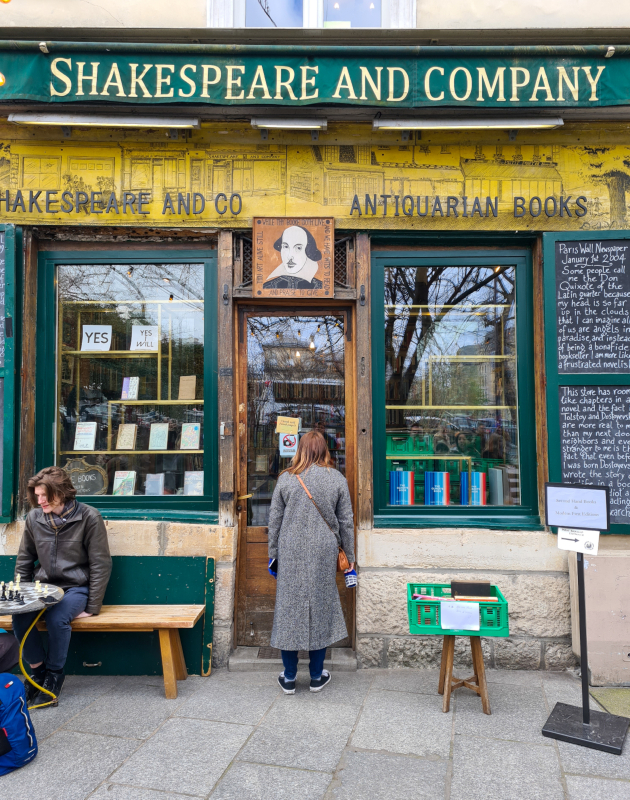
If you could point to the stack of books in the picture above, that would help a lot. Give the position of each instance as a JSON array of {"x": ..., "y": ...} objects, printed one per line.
[
  {"x": 437, "y": 488},
  {"x": 401, "y": 488},
  {"x": 475, "y": 493},
  {"x": 504, "y": 485}
]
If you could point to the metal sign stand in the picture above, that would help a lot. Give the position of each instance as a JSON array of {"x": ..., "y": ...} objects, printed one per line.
[
  {"x": 589, "y": 506},
  {"x": 595, "y": 729}
]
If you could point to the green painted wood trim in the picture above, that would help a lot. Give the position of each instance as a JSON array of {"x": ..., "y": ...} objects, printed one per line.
[
  {"x": 160, "y": 515},
  {"x": 208, "y": 620},
  {"x": 521, "y": 517},
  {"x": 453, "y": 520},
  {"x": 554, "y": 379},
  {"x": 12, "y": 239},
  {"x": 129, "y": 507}
]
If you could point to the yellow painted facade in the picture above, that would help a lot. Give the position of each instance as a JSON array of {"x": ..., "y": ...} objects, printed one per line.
[{"x": 294, "y": 176}]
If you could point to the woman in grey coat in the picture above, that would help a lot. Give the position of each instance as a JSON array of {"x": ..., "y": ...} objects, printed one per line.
[{"x": 304, "y": 543}]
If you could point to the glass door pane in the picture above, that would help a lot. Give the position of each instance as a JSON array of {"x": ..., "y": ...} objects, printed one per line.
[{"x": 295, "y": 368}]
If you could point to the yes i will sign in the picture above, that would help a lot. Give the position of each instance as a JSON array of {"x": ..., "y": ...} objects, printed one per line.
[{"x": 268, "y": 74}]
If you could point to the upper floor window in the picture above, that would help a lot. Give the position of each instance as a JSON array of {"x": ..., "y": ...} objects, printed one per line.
[
  {"x": 274, "y": 13},
  {"x": 352, "y": 13}
]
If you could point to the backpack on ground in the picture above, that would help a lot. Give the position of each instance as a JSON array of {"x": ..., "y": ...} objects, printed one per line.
[{"x": 18, "y": 744}]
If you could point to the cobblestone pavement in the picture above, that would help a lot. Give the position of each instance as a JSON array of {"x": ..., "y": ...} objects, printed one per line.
[{"x": 370, "y": 735}]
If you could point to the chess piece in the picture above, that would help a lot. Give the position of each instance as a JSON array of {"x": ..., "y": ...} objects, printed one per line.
[
  {"x": 10, "y": 594},
  {"x": 21, "y": 600},
  {"x": 4, "y": 591},
  {"x": 38, "y": 586}
]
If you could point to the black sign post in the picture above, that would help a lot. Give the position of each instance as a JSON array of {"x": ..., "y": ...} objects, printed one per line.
[{"x": 595, "y": 729}]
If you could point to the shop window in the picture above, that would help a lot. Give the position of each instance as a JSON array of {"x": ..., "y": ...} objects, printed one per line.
[
  {"x": 133, "y": 416},
  {"x": 451, "y": 375}
]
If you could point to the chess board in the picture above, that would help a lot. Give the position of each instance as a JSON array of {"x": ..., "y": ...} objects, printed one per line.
[{"x": 33, "y": 600}]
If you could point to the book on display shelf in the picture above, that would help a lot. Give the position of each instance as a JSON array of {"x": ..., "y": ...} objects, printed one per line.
[
  {"x": 124, "y": 483},
  {"x": 85, "y": 436},
  {"x": 191, "y": 432},
  {"x": 187, "y": 387},
  {"x": 158, "y": 439},
  {"x": 130, "y": 389},
  {"x": 154, "y": 484},
  {"x": 127, "y": 433},
  {"x": 193, "y": 483}
]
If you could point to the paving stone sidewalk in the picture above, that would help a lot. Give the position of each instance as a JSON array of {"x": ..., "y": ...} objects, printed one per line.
[{"x": 370, "y": 735}]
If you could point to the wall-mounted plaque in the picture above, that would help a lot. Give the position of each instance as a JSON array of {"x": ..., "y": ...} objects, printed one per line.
[
  {"x": 86, "y": 478},
  {"x": 293, "y": 257}
]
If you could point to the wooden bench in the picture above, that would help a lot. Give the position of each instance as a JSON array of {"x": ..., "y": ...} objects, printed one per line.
[{"x": 166, "y": 619}]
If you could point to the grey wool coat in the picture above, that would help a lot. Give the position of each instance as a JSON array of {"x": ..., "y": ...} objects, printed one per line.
[{"x": 308, "y": 613}]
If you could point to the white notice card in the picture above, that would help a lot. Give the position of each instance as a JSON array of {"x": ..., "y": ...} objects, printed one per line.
[
  {"x": 144, "y": 337},
  {"x": 96, "y": 337},
  {"x": 578, "y": 540},
  {"x": 459, "y": 616}
]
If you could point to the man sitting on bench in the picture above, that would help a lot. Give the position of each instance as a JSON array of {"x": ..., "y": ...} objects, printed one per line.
[{"x": 70, "y": 542}]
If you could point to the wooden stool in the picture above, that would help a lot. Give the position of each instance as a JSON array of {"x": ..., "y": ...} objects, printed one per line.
[{"x": 477, "y": 682}]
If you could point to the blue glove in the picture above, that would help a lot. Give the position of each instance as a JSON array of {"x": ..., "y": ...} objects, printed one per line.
[{"x": 272, "y": 568}]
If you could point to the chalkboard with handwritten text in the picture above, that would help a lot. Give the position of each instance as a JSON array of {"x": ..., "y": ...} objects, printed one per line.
[
  {"x": 593, "y": 306},
  {"x": 595, "y": 441}
]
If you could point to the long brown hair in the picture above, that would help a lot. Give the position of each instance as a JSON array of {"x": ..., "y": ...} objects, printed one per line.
[
  {"x": 312, "y": 449},
  {"x": 56, "y": 483}
]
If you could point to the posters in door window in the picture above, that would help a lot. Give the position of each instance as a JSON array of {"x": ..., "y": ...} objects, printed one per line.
[{"x": 293, "y": 257}]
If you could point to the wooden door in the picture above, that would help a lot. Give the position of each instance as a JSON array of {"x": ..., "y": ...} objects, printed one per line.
[{"x": 296, "y": 365}]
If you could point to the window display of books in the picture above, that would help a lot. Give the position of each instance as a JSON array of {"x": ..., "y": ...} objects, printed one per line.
[{"x": 130, "y": 366}]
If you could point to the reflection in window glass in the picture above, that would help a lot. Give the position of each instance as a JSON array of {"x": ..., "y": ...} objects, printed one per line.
[
  {"x": 295, "y": 368},
  {"x": 274, "y": 13},
  {"x": 352, "y": 13},
  {"x": 451, "y": 395},
  {"x": 130, "y": 353}
]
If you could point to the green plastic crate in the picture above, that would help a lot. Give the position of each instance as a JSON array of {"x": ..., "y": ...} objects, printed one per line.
[
  {"x": 424, "y": 615},
  {"x": 397, "y": 443}
]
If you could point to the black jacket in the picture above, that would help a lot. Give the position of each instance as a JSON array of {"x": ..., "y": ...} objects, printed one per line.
[{"x": 77, "y": 555}]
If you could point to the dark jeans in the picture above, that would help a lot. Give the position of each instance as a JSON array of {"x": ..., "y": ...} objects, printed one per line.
[
  {"x": 8, "y": 652},
  {"x": 58, "y": 619},
  {"x": 316, "y": 663}
]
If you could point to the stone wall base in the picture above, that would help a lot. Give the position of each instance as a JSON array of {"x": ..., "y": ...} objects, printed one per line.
[
  {"x": 424, "y": 652},
  {"x": 527, "y": 566}
]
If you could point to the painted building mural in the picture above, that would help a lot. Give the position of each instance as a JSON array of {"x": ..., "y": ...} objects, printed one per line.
[{"x": 394, "y": 186}]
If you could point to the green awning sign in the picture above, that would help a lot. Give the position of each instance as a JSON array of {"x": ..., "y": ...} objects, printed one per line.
[{"x": 266, "y": 75}]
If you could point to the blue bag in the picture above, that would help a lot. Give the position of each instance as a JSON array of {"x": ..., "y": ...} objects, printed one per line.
[{"x": 18, "y": 744}]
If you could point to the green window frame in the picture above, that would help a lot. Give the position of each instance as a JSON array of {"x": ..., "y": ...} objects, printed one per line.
[
  {"x": 522, "y": 517},
  {"x": 12, "y": 251},
  {"x": 175, "y": 508},
  {"x": 554, "y": 379}
]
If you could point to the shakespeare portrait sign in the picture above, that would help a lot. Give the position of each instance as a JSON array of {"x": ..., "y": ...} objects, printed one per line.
[{"x": 293, "y": 257}]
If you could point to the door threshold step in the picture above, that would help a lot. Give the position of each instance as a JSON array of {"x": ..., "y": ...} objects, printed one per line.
[{"x": 248, "y": 659}]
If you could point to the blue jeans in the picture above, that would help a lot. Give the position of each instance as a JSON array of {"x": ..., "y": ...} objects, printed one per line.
[
  {"x": 58, "y": 619},
  {"x": 316, "y": 663}
]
